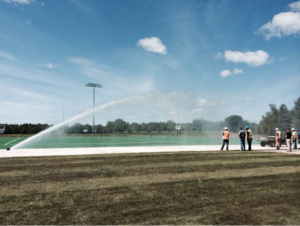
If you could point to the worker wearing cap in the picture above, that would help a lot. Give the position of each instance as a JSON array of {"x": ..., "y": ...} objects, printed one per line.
[
  {"x": 225, "y": 137},
  {"x": 278, "y": 136},
  {"x": 249, "y": 137},
  {"x": 294, "y": 138}
]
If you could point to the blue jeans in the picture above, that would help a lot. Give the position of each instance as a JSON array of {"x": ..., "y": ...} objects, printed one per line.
[
  {"x": 242, "y": 142},
  {"x": 295, "y": 143}
]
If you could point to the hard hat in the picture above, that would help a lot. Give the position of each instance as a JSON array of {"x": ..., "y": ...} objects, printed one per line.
[
  {"x": 225, "y": 128},
  {"x": 247, "y": 127},
  {"x": 276, "y": 129},
  {"x": 293, "y": 129}
]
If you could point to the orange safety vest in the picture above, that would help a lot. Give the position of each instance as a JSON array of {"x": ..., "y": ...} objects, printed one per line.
[{"x": 226, "y": 135}]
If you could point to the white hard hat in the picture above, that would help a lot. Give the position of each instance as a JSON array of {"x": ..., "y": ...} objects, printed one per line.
[
  {"x": 276, "y": 129},
  {"x": 293, "y": 129},
  {"x": 225, "y": 128}
]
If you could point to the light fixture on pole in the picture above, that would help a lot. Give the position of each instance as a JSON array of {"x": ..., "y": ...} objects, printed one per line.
[{"x": 94, "y": 86}]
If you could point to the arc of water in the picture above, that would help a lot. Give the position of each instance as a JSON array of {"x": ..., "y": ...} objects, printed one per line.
[{"x": 55, "y": 127}]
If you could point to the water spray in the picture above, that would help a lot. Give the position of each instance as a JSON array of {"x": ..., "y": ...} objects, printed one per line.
[{"x": 55, "y": 127}]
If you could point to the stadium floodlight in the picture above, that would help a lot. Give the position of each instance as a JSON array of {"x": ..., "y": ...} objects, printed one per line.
[{"x": 94, "y": 85}]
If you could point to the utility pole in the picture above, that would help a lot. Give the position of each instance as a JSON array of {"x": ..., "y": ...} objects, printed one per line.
[{"x": 94, "y": 86}]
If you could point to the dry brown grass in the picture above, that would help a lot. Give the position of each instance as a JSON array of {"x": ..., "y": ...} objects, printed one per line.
[{"x": 160, "y": 188}]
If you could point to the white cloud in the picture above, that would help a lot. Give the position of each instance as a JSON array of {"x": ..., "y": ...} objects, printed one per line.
[
  {"x": 172, "y": 113},
  {"x": 219, "y": 56},
  {"x": 152, "y": 44},
  {"x": 19, "y": 1},
  {"x": 80, "y": 61},
  {"x": 202, "y": 102},
  {"x": 225, "y": 73},
  {"x": 281, "y": 58},
  {"x": 248, "y": 99},
  {"x": 256, "y": 58},
  {"x": 116, "y": 79},
  {"x": 211, "y": 103},
  {"x": 6, "y": 56},
  {"x": 195, "y": 111},
  {"x": 49, "y": 65},
  {"x": 238, "y": 71},
  {"x": 28, "y": 94},
  {"x": 29, "y": 105},
  {"x": 295, "y": 6},
  {"x": 130, "y": 117},
  {"x": 282, "y": 24}
]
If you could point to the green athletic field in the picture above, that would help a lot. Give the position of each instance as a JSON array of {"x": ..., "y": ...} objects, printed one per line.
[{"x": 129, "y": 141}]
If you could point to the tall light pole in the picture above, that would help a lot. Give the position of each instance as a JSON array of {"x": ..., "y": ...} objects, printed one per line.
[{"x": 94, "y": 86}]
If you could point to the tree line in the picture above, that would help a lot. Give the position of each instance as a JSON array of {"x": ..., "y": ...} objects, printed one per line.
[
  {"x": 121, "y": 126},
  {"x": 281, "y": 118}
]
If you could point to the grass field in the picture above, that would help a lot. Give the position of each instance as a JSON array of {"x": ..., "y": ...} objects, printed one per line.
[
  {"x": 162, "y": 188},
  {"x": 88, "y": 141}
]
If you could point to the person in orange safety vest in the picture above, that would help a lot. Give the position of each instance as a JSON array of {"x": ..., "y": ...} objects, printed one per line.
[{"x": 225, "y": 137}]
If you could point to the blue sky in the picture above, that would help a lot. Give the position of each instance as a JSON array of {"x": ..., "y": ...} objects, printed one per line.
[{"x": 187, "y": 59}]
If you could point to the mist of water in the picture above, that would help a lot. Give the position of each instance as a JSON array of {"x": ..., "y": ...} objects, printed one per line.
[{"x": 57, "y": 126}]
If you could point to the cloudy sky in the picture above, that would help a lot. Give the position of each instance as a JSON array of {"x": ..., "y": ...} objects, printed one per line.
[{"x": 176, "y": 59}]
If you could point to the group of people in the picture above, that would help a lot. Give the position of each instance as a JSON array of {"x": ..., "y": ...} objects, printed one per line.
[
  {"x": 290, "y": 137},
  {"x": 242, "y": 135}
]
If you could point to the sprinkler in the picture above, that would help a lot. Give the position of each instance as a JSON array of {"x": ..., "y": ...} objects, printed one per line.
[{"x": 7, "y": 149}]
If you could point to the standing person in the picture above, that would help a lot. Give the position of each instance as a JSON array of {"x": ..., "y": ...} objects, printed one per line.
[
  {"x": 299, "y": 137},
  {"x": 249, "y": 138},
  {"x": 288, "y": 137},
  {"x": 294, "y": 138},
  {"x": 242, "y": 136},
  {"x": 278, "y": 136},
  {"x": 225, "y": 137}
]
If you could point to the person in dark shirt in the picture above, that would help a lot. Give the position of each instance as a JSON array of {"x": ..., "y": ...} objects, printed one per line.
[
  {"x": 242, "y": 136},
  {"x": 288, "y": 137}
]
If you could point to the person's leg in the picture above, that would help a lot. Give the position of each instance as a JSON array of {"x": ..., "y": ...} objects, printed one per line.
[
  {"x": 277, "y": 143},
  {"x": 250, "y": 144},
  {"x": 223, "y": 145},
  {"x": 288, "y": 142},
  {"x": 241, "y": 143},
  {"x": 244, "y": 146},
  {"x": 227, "y": 144}
]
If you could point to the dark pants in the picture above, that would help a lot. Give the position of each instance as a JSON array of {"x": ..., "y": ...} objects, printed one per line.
[
  {"x": 242, "y": 141},
  {"x": 249, "y": 140},
  {"x": 227, "y": 144}
]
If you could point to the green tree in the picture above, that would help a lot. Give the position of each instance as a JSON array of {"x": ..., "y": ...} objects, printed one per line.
[
  {"x": 296, "y": 114},
  {"x": 284, "y": 117},
  {"x": 170, "y": 125},
  {"x": 269, "y": 121},
  {"x": 234, "y": 122},
  {"x": 77, "y": 128},
  {"x": 198, "y": 124}
]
